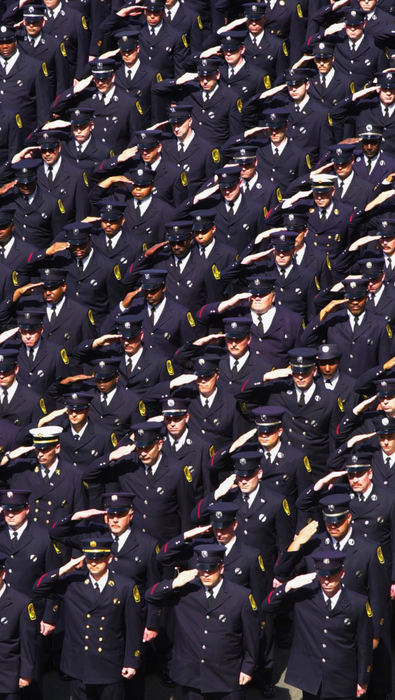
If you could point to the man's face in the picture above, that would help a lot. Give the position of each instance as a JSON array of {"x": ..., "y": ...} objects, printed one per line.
[
  {"x": 31, "y": 336},
  {"x": 150, "y": 155},
  {"x": 247, "y": 484},
  {"x": 8, "y": 49},
  {"x": 206, "y": 385},
  {"x": 387, "y": 404},
  {"x": 269, "y": 439},
  {"x": 283, "y": 258},
  {"x": 262, "y": 304},
  {"x": 224, "y": 535},
  {"x": 33, "y": 27},
  {"x": 77, "y": 416},
  {"x": 155, "y": 296},
  {"x": 181, "y": 129},
  {"x": 375, "y": 284},
  {"x": 231, "y": 193},
  {"x": 5, "y": 233},
  {"x": 132, "y": 345},
  {"x": 300, "y": 238},
  {"x": 208, "y": 82},
  {"x": 354, "y": 33},
  {"x": 140, "y": 192},
  {"x": 51, "y": 4},
  {"x": 255, "y": 26},
  {"x": 181, "y": 248},
  {"x": 340, "y": 529},
  {"x": 104, "y": 83},
  {"x": 367, "y": 5},
  {"x": 343, "y": 170},
  {"x": 154, "y": 18},
  {"x": 98, "y": 567},
  {"x": 323, "y": 199},
  {"x": 278, "y": 134},
  {"x": 82, "y": 132},
  {"x": 297, "y": 93},
  {"x": 209, "y": 579},
  {"x": 323, "y": 64},
  {"x": 331, "y": 583},
  {"x": 27, "y": 188},
  {"x": 328, "y": 368},
  {"x": 107, "y": 385},
  {"x": 16, "y": 517},
  {"x": 47, "y": 455},
  {"x": 387, "y": 245},
  {"x": 303, "y": 378},
  {"x": 54, "y": 294},
  {"x": 7, "y": 377},
  {"x": 204, "y": 238},
  {"x": 130, "y": 56},
  {"x": 360, "y": 480},
  {"x": 387, "y": 96},
  {"x": 387, "y": 443},
  {"x": 248, "y": 170},
  {"x": 50, "y": 154},
  {"x": 176, "y": 424},
  {"x": 356, "y": 306},
  {"x": 238, "y": 346},
  {"x": 118, "y": 523},
  {"x": 111, "y": 228},
  {"x": 233, "y": 56},
  {"x": 80, "y": 250},
  {"x": 149, "y": 454},
  {"x": 371, "y": 148}
]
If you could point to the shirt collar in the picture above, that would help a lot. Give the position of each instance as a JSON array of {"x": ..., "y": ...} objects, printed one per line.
[
  {"x": 19, "y": 531},
  {"x": 210, "y": 399},
  {"x": 50, "y": 472},
  {"x": 101, "y": 582}
]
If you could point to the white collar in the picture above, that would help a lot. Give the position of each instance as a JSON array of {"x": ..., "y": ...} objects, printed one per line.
[
  {"x": 187, "y": 141},
  {"x": 303, "y": 103},
  {"x": 114, "y": 239},
  {"x": 83, "y": 146},
  {"x": 329, "y": 76},
  {"x": 134, "y": 359},
  {"x": 390, "y": 457},
  {"x": 86, "y": 260},
  {"x": 236, "y": 204},
  {"x": 216, "y": 589},
  {"x": 7, "y": 247},
  {"x": 238, "y": 67},
  {"x": 183, "y": 262},
  {"x": 229, "y": 546},
  {"x": 274, "y": 451},
  {"x": 158, "y": 309},
  {"x": 19, "y": 531},
  {"x": 210, "y": 399},
  {"x": 241, "y": 360},
  {"x": 156, "y": 29},
  {"x": 333, "y": 381},
  {"x": 7, "y": 65},
  {"x": 122, "y": 538},
  {"x": 252, "y": 495},
  {"x": 352, "y": 318},
  {"x": 209, "y": 93},
  {"x": 307, "y": 394},
  {"x": 132, "y": 69},
  {"x": 334, "y": 598},
  {"x": 356, "y": 44},
  {"x": 208, "y": 248},
  {"x": 50, "y": 472},
  {"x": 343, "y": 541},
  {"x": 180, "y": 440},
  {"x": 172, "y": 10},
  {"x": 281, "y": 147},
  {"x": 257, "y": 37},
  {"x": 144, "y": 203},
  {"x": 11, "y": 391},
  {"x": 74, "y": 432},
  {"x": 55, "y": 167},
  {"x": 101, "y": 582},
  {"x": 154, "y": 466},
  {"x": 266, "y": 318},
  {"x": 57, "y": 309},
  {"x": 109, "y": 396}
]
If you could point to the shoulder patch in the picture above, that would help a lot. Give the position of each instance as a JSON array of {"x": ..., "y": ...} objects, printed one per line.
[
  {"x": 380, "y": 555},
  {"x": 306, "y": 463},
  {"x": 31, "y": 611},
  {"x": 340, "y": 404},
  {"x": 64, "y": 356},
  {"x": 117, "y": 272},
  {"x": 328, "y": 262},
  {"x": 239, "y": 104},
  {"x": 199, "y": 22},
  {"x": 139, "y": 107},
  {"x": 114, "y": 439},
  {"x": 211, "y": 451},
  {"x": 317, "y": 284},
  {"x": 170, "y": 368},
  {"x": 389, "y": 330},
  {"x": 84, "y": 22},
  {"x": 308, "y": 161},
  {"x": 260, "y": 562},
  {"x": 159, "y": 78},
  {"x": 183, "y": 178},
  {"x": 216, "y": 272},
  {"x": 44, "y": 69},
  {"x": 352, "y": 88},
  {"x": 136, "y": 594},
  {"x": 330, "y": 120},
  {"x": 369, "y": 611},
  {"x": 184, "y": 40},
  {"x": 56, "y": 547},
  {"x": 43, "y": 406},
  {"x": 91, "y": 317},
  {"x": 85, "y": 179},
  {"x": 188, "y": 474},
  {"x": 267, "y": 82},
  {"x": 286, "y": 507},
  {"x": 191, "y": 320},
  {"x": 14, "y": 278},
  {"x": 62, "y": 47},
  {"x": 18, "y": 121},
  {"x": 215, "y": 155},
  {"x": 142, "y": 409},
  {"x": 279, "y": 195},
  {"x": 61, "y": 206},
  {"x": 299, "y": 10},
  {"x": 252, "y": 602},
  {"x": 157, "y": 549},
  {"x": 285, "y": 48}
]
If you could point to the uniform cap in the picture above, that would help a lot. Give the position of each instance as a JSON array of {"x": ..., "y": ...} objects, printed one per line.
[
  {"x": 8, "y": 359},
  {"x": 98, "y": 547},
  {"x": 246, "y": 463},
  {"x": 297, "y": 76},
  {"x": 142, "y": 176},
  {"x": 208, "y": 66},
  {"x": 26, "y": 170},
  {"x": 385, "y": 387},
  {"x": 46, "y": 435},
  {"x": 117, "y": 501},
  {"x": 77, "y": 232},
  {"x": 370, "y": 132},
  {"x": 275, "y": 118},
  {"x": 78, "y": 400},
  {"x": 174, "y": 406},
  {"x": 205, "y": 365},
  {"x": 229, "y": 176},
  {"x": 357, "y": 462},
  {"x": 153, "y": 279},
  {"x": 111, "y": 209},
  {"x": 11, "y": 499},
  {"x": 106, "y": 368},
  {"x": 268, "y": 418},
  {"x": 384, "y": 425},
  {"x": 178, "y": 230},
  {"x": 50, "y": 138},
  {"x": 335, "y": 507},
  {"x": 355, "y": 289},
  {"x": 81, "y": 116},
  {"x": 260, "y": 285},
  {"x": 283, "y": 240},
  {"x": 327, "y": 562},
  {"x": 149, "y": 138},
  {"x": 328, "y": 351},
  {"x": 127, "y": 39},
  {"x": 323, "y": 182},
  {"x": 28, "y": 320},
  {"x": 53, "y": 277},
  {"x": 209, "y": 556},
  {"x": 222, "y": 513},
  {"x": 254, "y": 10},
  {"x": 353, "y": 17},
  {"x": 33, "y": 11},
  {"x": 302, "y": 358},
  {"x": 179, "y": 113},
  {"x": 102, "y": 67},
  {"x": 6, "y": 34},
  {"x": 237, "y": 327},
  {"x": 243, "y": 153},
  {"x": 129, "y": 325},
  {"x": 342, "y": 152},
  {"x": 386, "y": 80},
  {"x": 6, "y": 216},
  {"x": 155, "y": 5},
  {"x": 146, "y": 433},
  {"x": 203, "y": 219},
  {"x": 386, "y": 228},
  {"x": 232, "y": 40},
  {"x": 372, "y": 267},
  {"x": 323, "y": 49}
]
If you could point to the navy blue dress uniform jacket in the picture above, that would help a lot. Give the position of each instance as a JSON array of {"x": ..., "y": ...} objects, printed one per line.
[
  {"x": 211, "y": 646},
  {"x": 67, "y": 334},
  {"x": 139, "y": 90},
  {"x": 162, "y": 504},
  {"x": 331, "y": 650},
  {"x": 70, "y": 186},
  {"x": 53, "y": 62},
  {"x": 91, "y": 157},
  {"x": 25, "y": 407},
  {"x": 38, "y": 222},
  {"x": 70, "y": 29},
  {"x": 50, "y": 363},
  {"x": 165, "y": 52},
  {"x": 290, "y": 164},
  {"x": 93, "y": 443},
  {"x": 18, "y": 640},
  {"x": 103, "y": 633},
  {"x": 48, "y": 501}
]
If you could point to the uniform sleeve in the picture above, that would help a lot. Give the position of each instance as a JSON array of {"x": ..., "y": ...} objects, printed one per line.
[
  {"x": 28, "y": 633},
  {"x": 134, "y": 625},
  {"x": 250, "y": 620},
  {"x": 364, "y": 641}
]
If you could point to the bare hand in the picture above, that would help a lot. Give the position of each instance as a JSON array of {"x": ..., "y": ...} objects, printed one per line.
[
  {"x": 186, "y": 78},
  {"x": 154, "y": 248},
  {"x": 212, "y": 51},
  {"x": 184, "y": 577},
  {"x": 363, "y": 405},
  {"x": 331, "y": 307},
  {"x": 300, "y": 581},
  {"x": 358, "y": 438},
  {"x": 128, "y": 298},
  {"x": 106, "y": 339},
  {"x": 329, "y": 479},
  {"x": 71, "y": 565},
  {"x": 256, "y": 256},
  {"x": 149, "y": 635},
  {"x": 5, "y": 335},
  {"x": 233, "y": 301},
  {"x": 361, "y": 689},
  {"x": 128, "y": 672},
  {"x": 182, "y": 379},
  {"x": 228, "y": 484},
  {"x": 334, "y": 28},
  {"x": 57, "y": 247},
  {"x": 392, "y": 591},
  {"x": 122, "y": 451},
  {"x": 51, "y": 416},
  {"x": 241, "y": 440},
  {"x": 24, "y": 682},
  {"x": 25, "y": 290},
  {"x": 280, "y": 373},
  {"x": 127, "y": 153},
  {"x": 208, "y": 338},
  {"x": 80, "y": 85},
  {"x": 303, "y": 536},
  {"x": 200, "y": 530},
  {"x": 244, "y": 678},
  {"x": 46, "y": 628},
  {"x": 204, "y": 194},
  {"x": 89, "y": 513}
]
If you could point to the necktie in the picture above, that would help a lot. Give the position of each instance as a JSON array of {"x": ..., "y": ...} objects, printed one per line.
[
  {"x": 80, "y": 265},
  {"x": 356, "y": 324},
  {"x": 297, "y": 108},
  {"x": 52, "y": 317},
  {"x": 259, "y": 325},
  {"x": 77, "y": 437},
  {"x": 152, "y": 31},
  {"x": 31, "y": 355},
  {"x": 267, "y": 455},
  {"x": 282, "y": 272},
  {"x": 78, "y": 148},
  {"x": 210, "y": 597},
  {"x": 388, "y": 264},
  {"x": 202, "y": 251},
  {"x": 152, "y": 317},
  {"x": 46, "y": 478},
  {"x": 352, "y": 47},
  {"x": 1, "y": 251},
  {"x": 4, "y": 401},
  {"x": 115, "y": 546},
  {"x": 328, "y": 604},
  {"x": 328, "y": 383},
  {"x": 230, "y": 209},
  {"x": 138, "y": 212},
  {"x": 323, "y": 214},
  {"x": 340, "y": 189},
  {"x": 14, "y": 540},
  {"x": 244, "y": 497},
  {"x": 50, "y": 174},
  {"x": 50, "y": 14},
  {"x": 386, "y": 113},
  {"x": 148, "y": 472},
  {"x": 323, "y": 81},
  {"x": 235, "y": 369},
  {"x": 370, "y": 166},
  {"x": 388, "y": 462},
  {"x": 129, "y": 367},
  {"x": 276, "y": 154},
  {"x": 175, "y": 445},
  {"x": 129, "y": 74},
  {"x": 253, "y": 41},
  {"x": 206, "y": 404},
  {"x": 168, "y": 14},
  {"x": 109, "y": 244},
  {"x": 96, "y": 588},
  {"x": 205, "y": 97},
  {"x": 337, "y": 546},
  {"x": 302, "y": 400},
  {"x": 231, "y": 73},
  {"x": 104, "y": 401},
  {"x": 181, "y": 149}
]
